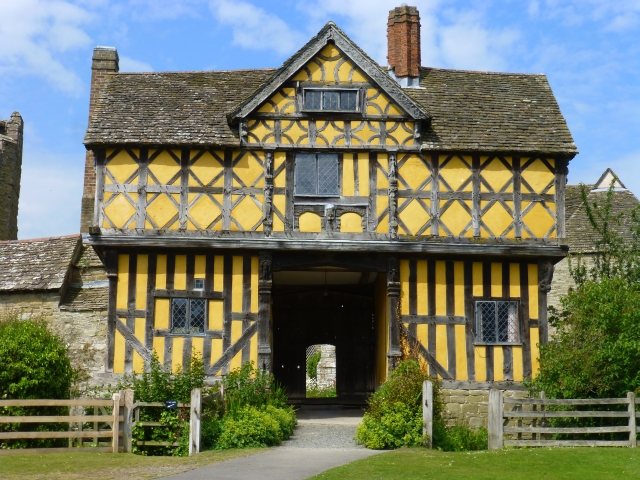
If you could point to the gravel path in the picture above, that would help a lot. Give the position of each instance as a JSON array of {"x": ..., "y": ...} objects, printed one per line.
[{"x": 322, "y": 440}]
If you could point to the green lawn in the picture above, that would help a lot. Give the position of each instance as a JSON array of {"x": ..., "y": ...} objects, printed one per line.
[
  {"x": 525, "y": 464},
  {"x": 107, "y": 466}
]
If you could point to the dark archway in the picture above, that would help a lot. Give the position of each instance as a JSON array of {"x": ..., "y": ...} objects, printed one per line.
[{"x": 334, "y": 317}]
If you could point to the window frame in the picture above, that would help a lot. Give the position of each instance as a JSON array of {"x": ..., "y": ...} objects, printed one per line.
[
  {"x": 477, "y": 327},
  {"x": 317, "y": 195},
  {"x": 322, "y": 90},
  {"x": 187, "y": 327}
]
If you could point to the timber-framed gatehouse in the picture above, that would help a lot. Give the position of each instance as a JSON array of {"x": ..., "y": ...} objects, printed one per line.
[{"x": 245, "y": 215}]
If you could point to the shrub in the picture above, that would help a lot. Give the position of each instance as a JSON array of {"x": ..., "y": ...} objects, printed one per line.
[
  {"x": 312, "y": 365},
  {"x": 285, "y": 417},
  {"x": 250, "y": 427},
  {"x": 459, "y": 438},
  {"x": 395, "y": 425},
  {"x": 250, "y": 386}
]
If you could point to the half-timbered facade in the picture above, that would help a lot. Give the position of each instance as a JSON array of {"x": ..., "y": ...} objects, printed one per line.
[{"x": 245, "y": 215}]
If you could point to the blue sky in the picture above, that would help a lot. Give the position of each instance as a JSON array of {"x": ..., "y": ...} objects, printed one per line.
[{"x": 589, "y": 49}]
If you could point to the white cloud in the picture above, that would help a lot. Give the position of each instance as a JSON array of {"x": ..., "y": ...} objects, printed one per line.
[
  {"x": 35, "y": 32},
  {"x": 164, "y": 9},
  {"x": 130, "y": 65},
  {"x": 617, "y": 16},
  {"x": 255, "y": 28}
]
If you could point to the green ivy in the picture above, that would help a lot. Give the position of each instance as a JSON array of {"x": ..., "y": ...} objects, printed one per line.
[{"x": 312, "y": 365}]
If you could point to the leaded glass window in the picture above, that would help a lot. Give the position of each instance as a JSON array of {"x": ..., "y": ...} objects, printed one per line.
[
  {"x": 330, "y": 100},
  {"x": 316, "y": 174},
  {"x": 188, "y": 315},
  {"x": 497, "y": 321}
]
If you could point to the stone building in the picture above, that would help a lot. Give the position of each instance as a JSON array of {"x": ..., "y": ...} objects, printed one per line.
[
  {"x": 581, "y": 236},
  {"x": 10, "y": 170}
]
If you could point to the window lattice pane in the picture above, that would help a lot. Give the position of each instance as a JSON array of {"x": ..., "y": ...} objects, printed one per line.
[
  {"x": 179, "y": 315},
  {"x": 486, "y": 321},
  {"x": 312, "y": 99},
  {"x": 348, "y": 101},
  {"x": 328, "y": 174},
  {"x": 198, "y": 315},
  {"x": 305, "y": 174},
  {"x": 330, "y": 100}
]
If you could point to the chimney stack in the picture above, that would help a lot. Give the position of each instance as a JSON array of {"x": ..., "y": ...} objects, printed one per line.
[
  {"x": 403, "y": 37},
  {"x": 105, "y": 61},
  {"x": 11, "y": 132}
]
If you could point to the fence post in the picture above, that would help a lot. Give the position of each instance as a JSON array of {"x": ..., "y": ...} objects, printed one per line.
[
  {"x": 116, "y": 422},
  {"x": 427, "y": 411},
  {"x": 127, "y": 424},
  {"x": 194, "y": 418},
  {"x": 496, "y": 434},
  {"x": 632, "y": 419}
]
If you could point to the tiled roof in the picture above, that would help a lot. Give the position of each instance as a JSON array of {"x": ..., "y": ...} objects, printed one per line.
[
  {"x": 491, "y": 112},
  {"x": 581, "y": 235},
  {"x": 38, "y": 264}
]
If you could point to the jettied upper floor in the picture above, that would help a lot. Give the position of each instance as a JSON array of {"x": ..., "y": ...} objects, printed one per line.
[{"x": 328, "y": 150}]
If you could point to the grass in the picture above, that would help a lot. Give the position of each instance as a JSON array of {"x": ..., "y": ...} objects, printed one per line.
[
  {"x": 518, "y": 464},
  {"x": 106, "y": 466},
  {"x": 314, "y": 391}
]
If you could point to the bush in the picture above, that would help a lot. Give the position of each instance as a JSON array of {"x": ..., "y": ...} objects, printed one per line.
[
  {"x": 459, "y": 438},
  {"x": 316, "y": 391},
  {"x": 285, "y": 417},
  {"x": 250, "y": 427},
  {"x": 250, "y": 386},
  {"x": 34, "y": 364},
  {"x": 312, "y": 365}
]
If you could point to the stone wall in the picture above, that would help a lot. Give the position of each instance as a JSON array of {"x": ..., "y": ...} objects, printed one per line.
[
  {"x": 470, "y": 407},
  {"x": 10, "y": 173}
]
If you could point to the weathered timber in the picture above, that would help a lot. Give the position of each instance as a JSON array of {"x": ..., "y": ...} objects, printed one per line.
[
  {"x": 565, "y": 414},
  {"x": 566, "y": 443},
  {"x": 111, "y": 267},
  {"x": 553, "y": 430},
  {"x": 264, "y": 311},
  {"x": 393, "y": 296},
  {"x": 189, "y": 294},
  {"x": 434, "y": 319},
  {"x": 469, "y": 320},
  {"x": 569, "y": 401},
  {"x": 232, "y": 350}
]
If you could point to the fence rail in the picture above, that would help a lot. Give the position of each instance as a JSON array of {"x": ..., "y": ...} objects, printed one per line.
[{"x": 499, "y": 418}]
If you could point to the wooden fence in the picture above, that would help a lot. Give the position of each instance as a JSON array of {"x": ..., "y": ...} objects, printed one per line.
[
  {"x": 503, "y": 410},
  {"x": 105, "y": 425}
]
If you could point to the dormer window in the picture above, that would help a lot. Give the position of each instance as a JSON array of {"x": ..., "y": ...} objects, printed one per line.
[{"x": 325, "y": 100}]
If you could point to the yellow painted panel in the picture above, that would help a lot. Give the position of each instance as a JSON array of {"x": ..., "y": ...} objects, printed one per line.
[
  {"x": 164, "y": 167},
  {"x": 539, "y": 220},
  {"x": 517, "y": 364},
  {"x": 197, "y": 346},
  {"x": 207, "y": 168},
  {"x": 350, "y": 223},
  {"x": 236, "y": 333},
  {"x": 498, "y": 219},
  {"x": 456, "y": 218},
  {"x": 327, "y": 132},
  {"x": 295, "y": 132},
  {"x": 218, "y": 273},
  {"x": 478, "y": 290},
  {"x": 310, "y": 222},
  {"x": 162, "y": 210},
  {"x": 414, "y": 172},
  {"x": 247, "y": 213},
  {"x": 161, "y": 313},
  {"x": 461, "y": 352},
  {"x": 236, "y": 284},
  {"x": 138, "y": 331},
  {"x": 254, "y": 284},
  {"x": 404, "y": 287},
  {"x": 248, "y": 167},
  {"x": 381, "y": 205},
  {"x": 216, "y": 315},
  {"x": 204, "y": 212},
  {"x": 158, "y": 348},
  {"x": 455, "y": 173},
  {"x": 480, "y": 363},
  {"x": 216, "y": 350},
  {"x": 141, "y": 282},
  {"x": 422, "y": 332},
  {"x": 120, "y": 211},
  {"x": 180, "y": 274},
  {"x": 118, "y": 353},
  {"x": 441, "y": 290},
  {"x": 279, "y": 181},
  {"x": 441, "y": 345},
  {"x": 399, "y": 133},
  {"x": 122, "y": 166},
  {"x": 535, "y": 351},
  {"x": 363, "y": 175},
  {"x": 458, "y": 288},
  {"x": 422, "y": 287},
  {"x": 280, "y": 203},
  {"x": 514, "y": 280},
  {"x": 533, "y": 291},
  {"x": 414, "y": 216},
  {"x": 538, "y": 176},
  {"x": 176, "y": 354},
  {"x": 496, "y": 175},
  {"x": 498, "y": 364},
  {"x": 161, "y": 272},
  {"x": 348, "y": 184},
  {"x": 122, "y": 296},
  {"x": 200, "y": 267},
  {"x": 496, "y": 280}
]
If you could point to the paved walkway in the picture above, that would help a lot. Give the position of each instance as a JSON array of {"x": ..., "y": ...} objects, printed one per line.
[{"x": 322, "y": 440}]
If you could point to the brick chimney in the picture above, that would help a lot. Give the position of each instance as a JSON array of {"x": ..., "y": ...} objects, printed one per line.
[
  {"x": 10, "y": 172},
  {"x": 403, "y": 37},
  {"x": 105, "y": 60}
]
